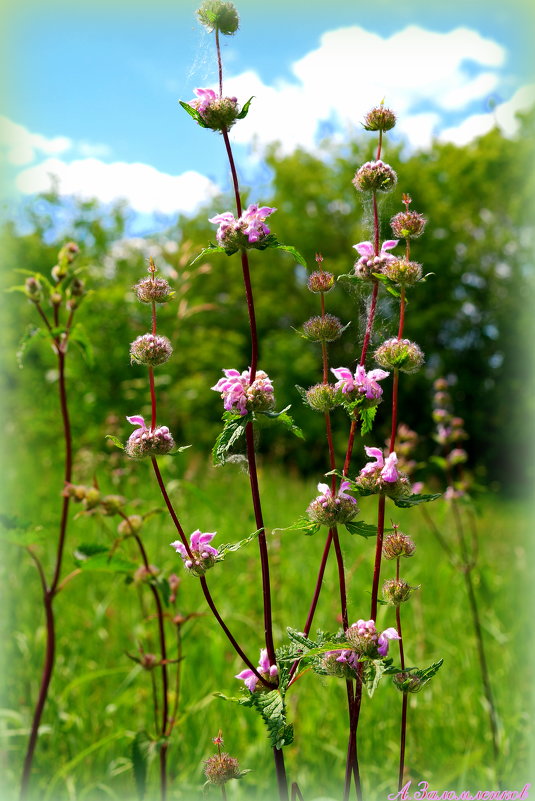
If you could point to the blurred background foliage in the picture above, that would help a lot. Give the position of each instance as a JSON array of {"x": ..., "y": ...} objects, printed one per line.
[{"x": 471, "y": 316}]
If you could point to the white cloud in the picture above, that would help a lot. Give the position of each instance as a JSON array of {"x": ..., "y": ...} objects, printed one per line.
[
  {"x": 22, "y": 146},
  {"x": 144, "y": 188},
  {"x": 354, "y": 69},
  {"x": 504, "y": 116}
]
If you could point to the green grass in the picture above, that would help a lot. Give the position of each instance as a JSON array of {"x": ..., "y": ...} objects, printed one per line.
[{"x": 99, "y": 698}]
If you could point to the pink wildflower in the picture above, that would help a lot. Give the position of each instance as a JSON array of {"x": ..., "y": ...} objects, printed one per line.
[
  {"x": 369, "y": 263},
  {"x": 366, "y": 383},
  {"x": 264, "y": 668},
  {"x": 239, "y": 395},
  {"x": 203, "y": 555},
  {"x": 249, "y": 229}
]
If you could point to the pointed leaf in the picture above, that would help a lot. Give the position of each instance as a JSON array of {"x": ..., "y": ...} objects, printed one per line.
[
  {"x": 102, "y": 562},
  {"x": 209, "y": 251},
  {"x": 193, "y": 113},
  {"x": 293, "y": 252},
  {"x": 245, "y": 109},
  {"x": 389, "y": 285},
  {"x": 362, "y": 529},
  {"x": 32, "y": 334},
  {"x": 414, "y": 500},
  {"x": 308, "y": 527},
  {"x": 116, "y": 441},
  {"x": 235, "y": 546}
]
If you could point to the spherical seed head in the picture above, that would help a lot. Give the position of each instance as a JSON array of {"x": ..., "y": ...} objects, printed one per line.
[
  {"x": 398, "y": 544},
  {"x": 407, "y": 682},
  {"x": 146, "y": 442},
  {"x": 396, "y": 591},
  {"x": 323, "y": 397},
  {"x": 400, "y": 354},
  {"x": 408, "y": 224},
  {"x": 131, "y": 525},
  {"x": 379, "y": 119},
  {"x": 220, "y": 768},
  {"x": 337, "y": 510},
  {"x": 375, "y": 176},
  {"x": 153, "y": 289},
  {"x": 217, "y": 15},
  {"x": 151, "y": 349},
  {"x": 325, "y": 328},
  {"x": 320, "y": 281},
  {"x": 221, "y": 113},
  {"x": 403, "y": 272},
  {"x": 363, "y": 637}
]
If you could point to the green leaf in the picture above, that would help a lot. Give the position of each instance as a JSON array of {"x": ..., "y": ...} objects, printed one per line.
[
  {"x": 245, "y": 109},
  {"x": 285, "y": 419},
  {"x": 233, "y": 429},
  {"x": 373, "y": 670},
  {"x": 308, "y": 527},
  {"x": 162, "y": 584},
  {"x": 40, "y": 277},
  {"x": 209, "y": 251},
  {"x": 223, "y": 550},
  {"x": 367, "y": 416},
  {"x": 116, "y": 441},
  {"x": 414, "y": 500},
  {"x": 362, "y": 529},
  {"x": 88, "y": 549},
  {"x": 78, "y": 335},
  {"x": 389, "y": 285},
  {"x": 21, "y": 533},
  {"x": 439, "y": 461},
  {"x": 427, "y": 673},
  {"x": 193, "y": 113},
  {"x": 32, "y": 333},
  {"x": 140, "y": 750},
  {"x": 104, "y": 563},
  {"x": 179, "y": 450},
  {"x": 293, "y": 251}
]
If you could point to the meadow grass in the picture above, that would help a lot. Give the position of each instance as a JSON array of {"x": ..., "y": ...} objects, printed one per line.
[{"x": 100, "y": 698}]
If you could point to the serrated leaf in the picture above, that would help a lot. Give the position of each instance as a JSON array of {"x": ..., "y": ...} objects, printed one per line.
[
  {"x": 193, "y": 113},
  {"x": 223, "y": 550},
  {"x": 116, "y": 441},
  {"x": 362, "y": 529},
  {"x": 388, "y": 284},
  {"x": 40, "y": 277},
  {"x": 270, "y": 705},
  {"x": 210, "y": 250},
  {"x": 140, "y": 750},
  {"x": 245, "y": 109},
  {"x": 308, "y": 527},
  {"x": 427, "y": 673},
  {"x": 293, "y": 251},
  {"x": 373, "y": 670},
  {"x": 102, "y": 562},
  {"x": 78, "y": 335},
  {"x": 233, "y": 429},
  {"x": 414, "y": 500},
  {"x": 285, "y": 419},
  {"x": 367, "y": 416}
]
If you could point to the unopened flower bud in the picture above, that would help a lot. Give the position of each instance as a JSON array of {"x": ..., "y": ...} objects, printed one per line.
[
  {"x": 33, "y": 288},
  {"x": 131, "y": 525},
  {"x": 343, "y": 664},
  {"x": 323, "y": 397},
  {"x": 441, "y": 399},
  {"x": 145, "y": 442},
  {"x": 153, "y": 289},
  {"x": 77, "y": 287},
  {"x": 399, "y": 354},
  {"x": 56, "y": 298},
  {"x": 441, "y": 415},
  {"x": 92, "y": 497},
  {"x": 151, "y": 349},
  {"x": 220, "y": 768},
  {"x": 148, "y": 661},
  {"x": 112, "y": 504},
  {"x": 403, "y": 272},
  {"x": 379, "y": 119},
  {"x": 408, "y": 224},
  {"x": 398, "y": 544},
  {"x": 407, "y": 682},
  {"x": 395, "y": 591},
  {"x": 320, "y": 281},
  {"x": 218, "y": 15},
  {"x": 77, "y": 492},
  {"x": 326, "y": 328},
  {"x": 68, "y": 252},
  {"x": 375, "y": 176},
  {"x": 58, "y": 272},
  {"x": 457, "y": 456}
]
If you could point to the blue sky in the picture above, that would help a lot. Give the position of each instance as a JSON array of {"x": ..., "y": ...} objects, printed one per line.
[{"x": 93, "y": 88}]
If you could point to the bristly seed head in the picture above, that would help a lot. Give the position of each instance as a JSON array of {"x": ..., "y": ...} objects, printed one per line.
[
  {"x": 408, "y": 224},
  {"x": 323, "y": 397},
  {"x": 379, "y": 119},
  {"x": 220, "y": 16},
  {"x": 403, "y": 272},
  {"x": 396, "y": 591},
  {"x": 220, "y": 768},
  {"x": 375, "y": 176},
  {"x": 320, "y": 281},
  {"x": 400, "y": 354},
  {"x": 150, "y": 349},
  {"x": 326, "y": 328},
  {"x": 398, "y": 544}
]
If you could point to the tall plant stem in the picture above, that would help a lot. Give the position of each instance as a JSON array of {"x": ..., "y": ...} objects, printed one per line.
[
  {"x": 49, "y": 592},
  {"x": 403, "y": 706}
]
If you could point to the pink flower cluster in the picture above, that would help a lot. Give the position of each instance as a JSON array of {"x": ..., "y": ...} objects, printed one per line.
[
  {"x": 250, "y": 225},
  {"x": 370, "y": 263},
  {"x": 264, "y": 668},
  {"x": 383, "y": 468},
  {"x": 202, "y": 556},
  {"x": 363, "y": 382},
  {"x": 326, "y": 498},
  {"x": 364, "y": 635},
  {"x": 239, "y": 395}
]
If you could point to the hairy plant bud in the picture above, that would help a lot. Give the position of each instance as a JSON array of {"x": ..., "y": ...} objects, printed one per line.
[
  {"x": 76, "y": 492},
  {"x": 153, "y": 289},
  {"x": 375, "y": 176},
  {"x": 398, "y": 544},
  {"x": 399, "y": 354},
  {"x": 379, "y": 119},
  {"x": 323, "y": 397},
  {"x": 33, "y": 289},
  {"x": 130, "y": 525},
  {"x": 396, "y": 591},
  {"x": 58, "y": 272},
  {"x": 92, "y": 497},
  {"x": 220, "y": 768},
  {"x": 343, "y": 664},
  {"x": 326, "y": 328},
  {"x": 441, "y": 416},
  {"x": 112, "y": 504},
  {"x": 408, "y": 224},
  {"x": 329, "y": 509},
  {"x": 218, "y": 15},
  {"x": 68, "y": 253},
  {"x": 320, "y": 281},
  {"x": 77, "y": 287},
  {"x": 457, "y": 456},
  {"x": 403, "y": 272},
  {"x": 56, "y": 298},
  {"x": 148, "y": 661},
  {"x": 145, "y": 442},
  {"x": 407, "y": 682},
  {"x": 151, "y": 349}
]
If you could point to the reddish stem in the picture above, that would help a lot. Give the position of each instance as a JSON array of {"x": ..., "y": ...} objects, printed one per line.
[
  {"x": 369, "y": 324},
  {"x": 378, "y": 554},
  {"x": 404, "y": 704}
]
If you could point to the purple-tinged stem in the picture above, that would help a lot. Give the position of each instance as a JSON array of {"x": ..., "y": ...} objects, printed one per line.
[
  {"x": 404, "y": 705},
  {"x": 378, "y": 553}
]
